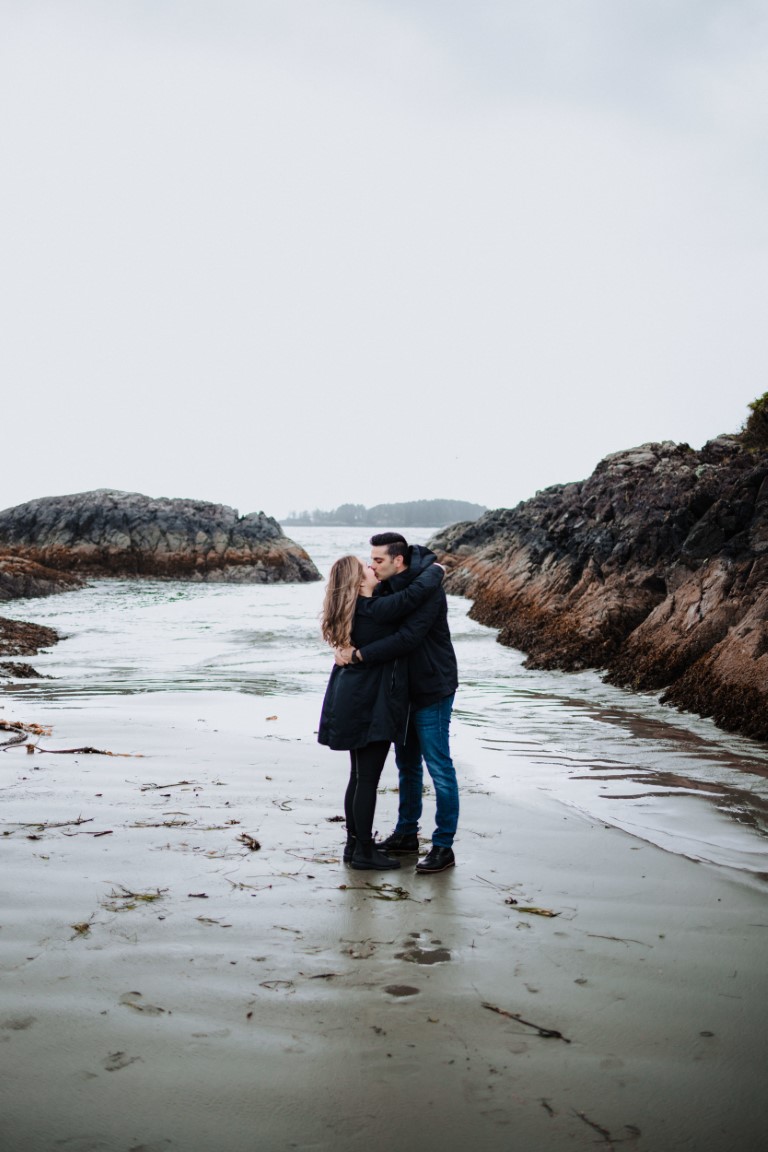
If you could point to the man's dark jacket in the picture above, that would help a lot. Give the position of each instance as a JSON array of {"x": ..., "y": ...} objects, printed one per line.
[
  {"x": 367, "y": 702},
  {"x": 432, "y": 671}
]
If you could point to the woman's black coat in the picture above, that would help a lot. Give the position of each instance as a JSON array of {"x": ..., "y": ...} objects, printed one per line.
[{"x": 367, "y": 702}]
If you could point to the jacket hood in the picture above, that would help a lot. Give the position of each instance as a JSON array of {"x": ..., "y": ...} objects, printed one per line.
[{"x": 420, "y": 557}]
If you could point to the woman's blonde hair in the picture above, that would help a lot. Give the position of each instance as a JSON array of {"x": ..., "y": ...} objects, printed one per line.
[{"x": 341, "y": 595}]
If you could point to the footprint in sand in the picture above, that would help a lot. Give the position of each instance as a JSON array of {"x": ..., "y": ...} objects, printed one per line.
[
  {"x": 117, "y": 1060},
  {"x": 155, "y": 1146},
  {"x": 134, "y": 1000},
  {"x": 17, "y": 1023},
  {"x": 424, "y": 955}
]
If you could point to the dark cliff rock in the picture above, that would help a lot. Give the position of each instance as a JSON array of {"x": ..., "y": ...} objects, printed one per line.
[
  {"x": 654, "y": 569},
  {"x": 107, "y": 533}
]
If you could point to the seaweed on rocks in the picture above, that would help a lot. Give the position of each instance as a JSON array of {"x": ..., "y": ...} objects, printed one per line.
[
  {"x": 654, "y": 569},
  {"x": 111, "y": 533},
  {"x": 19, "y": 638}
]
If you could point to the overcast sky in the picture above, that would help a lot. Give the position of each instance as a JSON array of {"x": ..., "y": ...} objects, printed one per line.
[{"x": 285, "y": 254}]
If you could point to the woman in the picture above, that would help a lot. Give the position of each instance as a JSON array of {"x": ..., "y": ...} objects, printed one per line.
[{"x": 366, "y": 706}]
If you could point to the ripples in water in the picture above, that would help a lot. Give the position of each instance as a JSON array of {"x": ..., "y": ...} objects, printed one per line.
[{"x": 622, "y": 758}]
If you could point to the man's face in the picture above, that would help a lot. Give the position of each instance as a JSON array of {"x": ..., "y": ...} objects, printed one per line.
[{"x": 383, "y": 564}]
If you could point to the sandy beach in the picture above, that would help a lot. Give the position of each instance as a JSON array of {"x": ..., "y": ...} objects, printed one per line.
[
  {"x": 278, "y": 278},
  {"x": 166, "y": 985}
]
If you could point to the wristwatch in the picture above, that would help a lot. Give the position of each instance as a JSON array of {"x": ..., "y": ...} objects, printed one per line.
[{"x": 355, "y": 657}]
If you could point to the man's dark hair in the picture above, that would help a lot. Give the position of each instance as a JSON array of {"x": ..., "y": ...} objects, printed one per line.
[{"x": 395, "y": 544}]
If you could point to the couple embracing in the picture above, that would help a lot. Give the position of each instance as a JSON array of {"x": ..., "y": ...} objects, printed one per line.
[{"x": 393, "y": 681}]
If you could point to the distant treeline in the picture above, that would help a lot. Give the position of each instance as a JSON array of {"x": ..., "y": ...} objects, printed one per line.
[{"x": 411, "y": 514}]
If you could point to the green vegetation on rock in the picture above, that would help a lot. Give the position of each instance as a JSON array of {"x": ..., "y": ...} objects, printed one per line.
[{"x": 754, "y": 434}]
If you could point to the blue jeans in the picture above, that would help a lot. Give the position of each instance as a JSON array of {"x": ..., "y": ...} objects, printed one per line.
[{"x": 427, "y": 737}]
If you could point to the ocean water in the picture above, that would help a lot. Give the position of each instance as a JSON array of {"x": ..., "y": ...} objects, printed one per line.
[{"x": 664, "y": 777}]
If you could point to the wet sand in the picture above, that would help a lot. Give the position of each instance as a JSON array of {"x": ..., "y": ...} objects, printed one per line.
[{"x": 276, "y": 999}]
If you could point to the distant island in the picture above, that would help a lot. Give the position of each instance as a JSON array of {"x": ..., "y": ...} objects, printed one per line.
[{"x": 411, "y": 514}]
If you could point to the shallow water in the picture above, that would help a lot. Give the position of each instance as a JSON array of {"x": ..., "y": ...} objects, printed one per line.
[{"x": 671, "y": 779}]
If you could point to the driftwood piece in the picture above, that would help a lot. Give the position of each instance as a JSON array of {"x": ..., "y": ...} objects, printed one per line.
[
  {"x": 546, "y": 1033},
  {"x": 87, "y": 751}
]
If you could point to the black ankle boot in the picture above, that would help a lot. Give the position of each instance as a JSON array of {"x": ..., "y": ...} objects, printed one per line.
[
  {"x": 349, "y": 849},
  {"x": 370, "y": 857}
]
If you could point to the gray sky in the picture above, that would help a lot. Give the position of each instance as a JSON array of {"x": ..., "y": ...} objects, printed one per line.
[{"x": 288, "y": 253}]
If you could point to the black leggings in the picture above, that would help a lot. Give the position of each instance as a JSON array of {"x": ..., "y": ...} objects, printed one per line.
[{"x": 365, "y": 770}]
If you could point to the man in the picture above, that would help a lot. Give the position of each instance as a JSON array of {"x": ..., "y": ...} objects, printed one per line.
[{"x": 433, "y": 682}]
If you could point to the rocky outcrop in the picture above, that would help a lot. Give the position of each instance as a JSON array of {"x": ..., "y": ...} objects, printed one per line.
[
  {"x": 17, "y": 638},
  {"x": 654, "y": 569},
  {"x": 23, "y": 578},
  {"x": 107, "y": 533}
]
